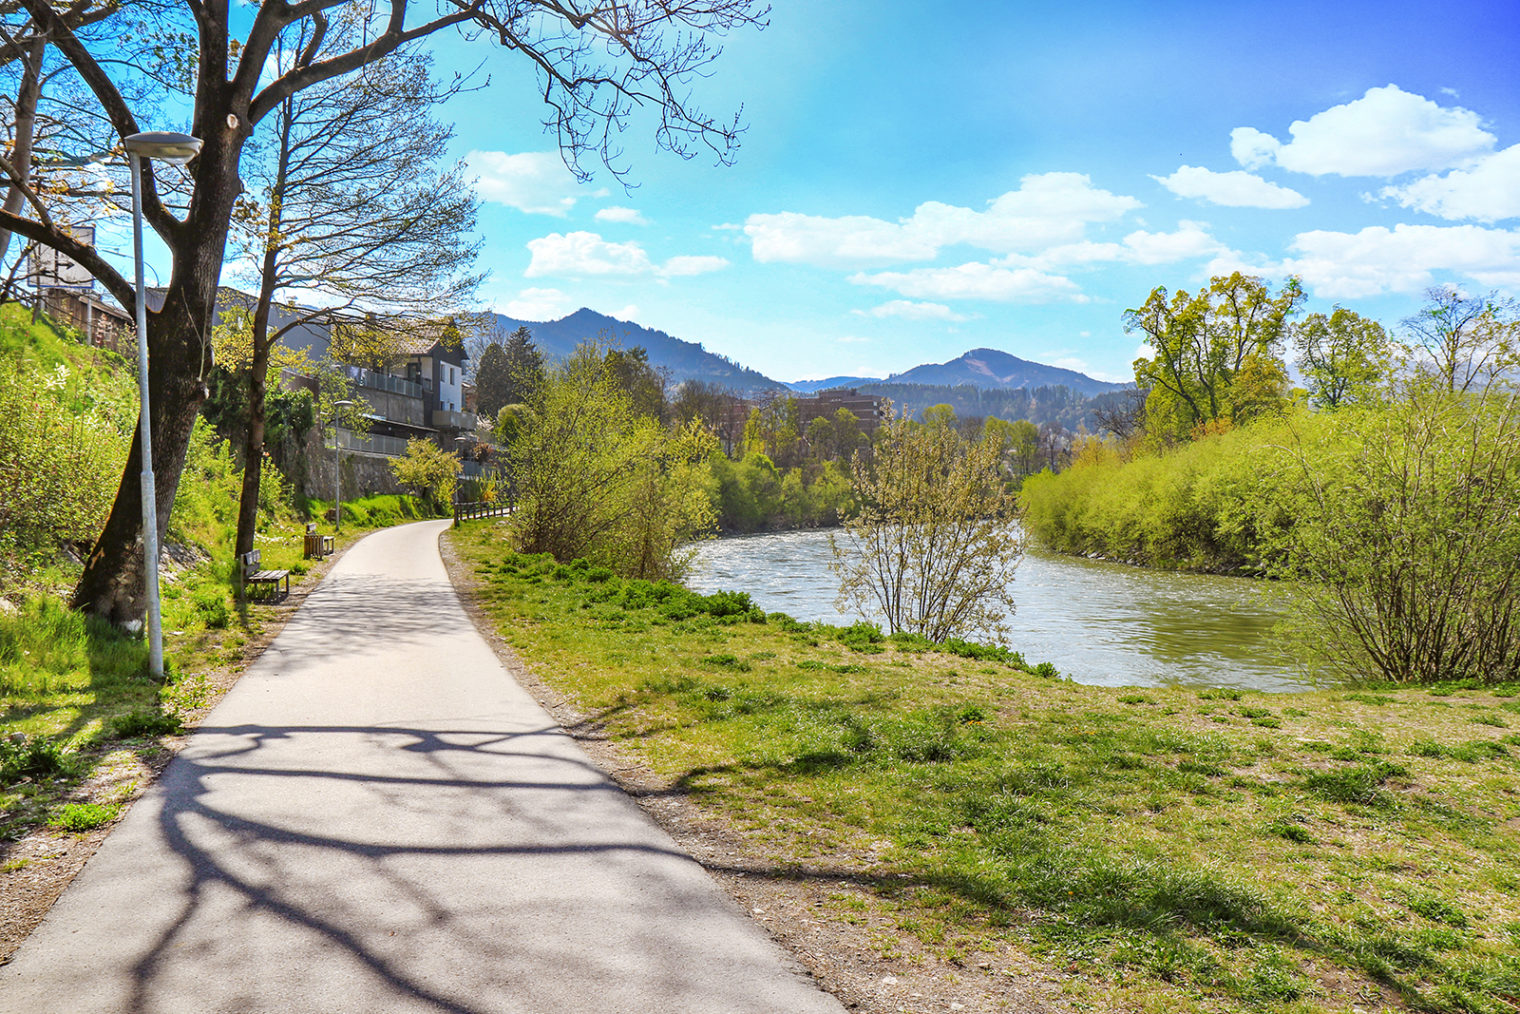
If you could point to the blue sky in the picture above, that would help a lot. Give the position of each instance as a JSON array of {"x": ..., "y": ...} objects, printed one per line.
[{"x": 920, "y": 179}]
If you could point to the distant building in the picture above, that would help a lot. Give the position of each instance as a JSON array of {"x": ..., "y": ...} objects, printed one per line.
[
  {"x": 103, "y": 324},
  {"x": 870, "y": 409}
]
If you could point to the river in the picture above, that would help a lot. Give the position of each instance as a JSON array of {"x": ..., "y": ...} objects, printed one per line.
[{"x": 1100, "y": 623}]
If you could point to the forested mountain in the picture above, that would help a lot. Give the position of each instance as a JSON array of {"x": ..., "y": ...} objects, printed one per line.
[
  {"x": 682, "y": 360},
  {"x": 989, "y": 368},
  {"x": 1050, "y": 406}
]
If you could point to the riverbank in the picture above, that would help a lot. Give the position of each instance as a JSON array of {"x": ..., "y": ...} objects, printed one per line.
[{"x": 1164, "y": 849}]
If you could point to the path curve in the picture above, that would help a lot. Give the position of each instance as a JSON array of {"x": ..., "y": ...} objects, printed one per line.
[{"x": 378, "y": 818}]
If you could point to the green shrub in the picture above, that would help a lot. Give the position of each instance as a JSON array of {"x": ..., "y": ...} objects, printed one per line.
[
  {"x": 82, "y": 817},
  {"x": 32, "y": 757},
  {"x": 144, "y": 723}
]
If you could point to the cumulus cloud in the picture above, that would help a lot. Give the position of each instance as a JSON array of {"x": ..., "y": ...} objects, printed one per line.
[
  {"x": 1487, "y": 191},
  {"x": 1406, "y": 258},
  {"x": 1233, "y": 189},
  {"x": 1386, "y": 132},
  {"x": 622, "y": 216},
  {"x": 536, "y": 182},
  {"x": 582, "y": 254},
  {"x": 976, "y": 281},
  {"x": 577, "y": 254},
  {"x": 538, "y": 304},
  {"x": 909, "y": 310},
  {"x": 1047, "y": 208}
]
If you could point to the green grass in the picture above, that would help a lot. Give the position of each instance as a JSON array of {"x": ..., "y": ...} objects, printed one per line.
[{"x": 1179, "y": 850}]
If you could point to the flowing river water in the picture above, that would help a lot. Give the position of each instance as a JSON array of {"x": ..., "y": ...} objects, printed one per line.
[{"x": 1097, "y": 622}]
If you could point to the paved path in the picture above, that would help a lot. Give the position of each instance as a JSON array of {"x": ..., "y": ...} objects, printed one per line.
[{"x": 377, "y": 818}]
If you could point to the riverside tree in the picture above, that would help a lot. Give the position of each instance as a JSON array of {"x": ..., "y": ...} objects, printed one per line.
[
  {"x": 933, "y": 547},
  {"x": 1216, "y": 354},
  {"x": 597, "y": 477},
  {"x": 597, "y": 62},
  {"x": 1466, "y": 341}
]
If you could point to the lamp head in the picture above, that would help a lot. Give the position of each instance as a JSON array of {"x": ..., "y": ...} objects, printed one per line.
[{"x": 166, "y": 146}]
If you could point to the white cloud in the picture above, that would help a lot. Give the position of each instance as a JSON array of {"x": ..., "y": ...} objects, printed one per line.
[
  {"x": 536, "y": 182},
  {"x": 1406, "y": 258},
  {"x": 629, "y": 312},
  {"x": 678, "y": 267},
  {"x": 1190, "y": 240},
  {"x": 1487, "y": 191},
  {"x": 622, "y": 216},
  {"x": 1386, "y": 132},
  {"x": 976, "y": 281},
  {"x": 852, "y": 339},
  {"x": 538, "y": 304},
  {"x": 1233, "y": 189},
  {"x": 909, "y": 310},
  {"x": 1047, "y": 208},
  {"x": 579, "y": 254}
]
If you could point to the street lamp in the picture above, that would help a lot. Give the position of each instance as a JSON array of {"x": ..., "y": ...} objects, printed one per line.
[
  {"x": 176, "y": 149},
  {"x": 338, "y": 407}
]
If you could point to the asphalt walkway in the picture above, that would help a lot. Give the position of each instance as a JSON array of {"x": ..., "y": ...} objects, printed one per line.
[{"x": 377, "y": 818}]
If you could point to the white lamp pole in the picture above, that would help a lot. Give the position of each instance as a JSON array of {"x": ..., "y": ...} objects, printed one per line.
[
  {"x": 177, "y": 149},
  {"x": 338, "y": 407}
]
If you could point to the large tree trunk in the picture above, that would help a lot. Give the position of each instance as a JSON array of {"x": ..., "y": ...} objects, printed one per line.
[
  {"x": 253, "y": 446},
  {"x": 179, "y": 355}
]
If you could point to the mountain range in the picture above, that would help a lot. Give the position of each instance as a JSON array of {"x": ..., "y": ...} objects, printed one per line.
[{"x": 684, "y": 360}]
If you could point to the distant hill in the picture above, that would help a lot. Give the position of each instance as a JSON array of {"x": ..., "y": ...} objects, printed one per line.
[
  {"x": 683, "y": 360},
  {"x": 813, "y": 386},
  {"x": 990, "y": 368}
]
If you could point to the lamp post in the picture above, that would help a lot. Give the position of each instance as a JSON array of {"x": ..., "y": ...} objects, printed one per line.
[
  {"x": 338, "y": 407},
  {"x": 176, "y": 149}
]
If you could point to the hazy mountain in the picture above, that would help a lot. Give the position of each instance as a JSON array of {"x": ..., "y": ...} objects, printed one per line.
[
  {"x": 812, "y": 386},
  {"x": 682, "y": 359},
  {"x": 993, "y": 369}
]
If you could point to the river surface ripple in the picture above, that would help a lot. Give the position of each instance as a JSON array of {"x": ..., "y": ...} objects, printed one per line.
[{"x": 1101, "y": 623}]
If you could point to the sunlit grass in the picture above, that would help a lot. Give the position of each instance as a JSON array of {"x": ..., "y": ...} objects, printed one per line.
[{"x": 1178, "y": 849}]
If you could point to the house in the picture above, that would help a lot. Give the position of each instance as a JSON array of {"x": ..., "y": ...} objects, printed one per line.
[
  {"x": 103, "y": 324},
  {"x": 869, "y": 409}
]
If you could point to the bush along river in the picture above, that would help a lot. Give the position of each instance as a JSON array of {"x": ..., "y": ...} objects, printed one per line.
[{"x": 1101, "y": 623}]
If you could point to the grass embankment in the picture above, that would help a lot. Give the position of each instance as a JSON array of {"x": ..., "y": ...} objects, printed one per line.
[{"x": 1160, "y": 849}]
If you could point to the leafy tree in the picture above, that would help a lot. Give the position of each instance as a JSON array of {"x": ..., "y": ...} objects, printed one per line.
[
  {"x": 933, "y": 548},
  {"x": 525, "y": 366},
  {"x": 596, "y": 478},
  {"x": 1464, "y": 340},
  {"x": 493, "y": 381},
  {"x": 429, "y": 472},
  {"x": 1345, "y": 358},
  {"x": 1201, "y": 343},
  {"x": 644, "y": 385},
  {"x": 595, "y": 67}
]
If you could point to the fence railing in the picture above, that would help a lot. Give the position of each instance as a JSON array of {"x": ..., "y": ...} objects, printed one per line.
[
  {"x": 482, "y": 509},
  {"x": 373, "y": 443}
]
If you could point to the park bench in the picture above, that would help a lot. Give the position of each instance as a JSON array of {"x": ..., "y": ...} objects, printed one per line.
[
  {"x": 317, "y": 546},
  {"x": 277, "y": 582}
]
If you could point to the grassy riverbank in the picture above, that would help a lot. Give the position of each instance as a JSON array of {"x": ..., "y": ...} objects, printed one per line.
[{"x": 1165, "y": 850}]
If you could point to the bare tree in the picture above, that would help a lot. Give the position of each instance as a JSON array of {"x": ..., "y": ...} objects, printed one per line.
[
  {"x": 350, "y": 204},
  {"x": 1465, "y": 340},
  {"x": 597, "y": 61}
]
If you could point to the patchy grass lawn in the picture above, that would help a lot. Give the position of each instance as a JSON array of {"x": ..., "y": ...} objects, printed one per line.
[{"x": 1167, "y": 849}]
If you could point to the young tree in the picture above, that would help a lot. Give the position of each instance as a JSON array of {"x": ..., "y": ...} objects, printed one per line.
[
  {"x": 349, "y": 204},
  {"x": 1344, "y": 357},
  {"x": 429, "y": 472},
  {"x": 525, "y": 366},
  {"x": 596, "y": 64},
  {"x": 934, "y": 546}
]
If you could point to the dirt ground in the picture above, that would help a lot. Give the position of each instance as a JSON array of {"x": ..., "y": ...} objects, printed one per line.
[{"x": 866, "y": 962}]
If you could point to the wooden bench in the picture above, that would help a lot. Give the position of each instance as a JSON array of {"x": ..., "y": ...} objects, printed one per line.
[
  {"x": 317, "y": 546},
  {"x": 277, "y": 582}
]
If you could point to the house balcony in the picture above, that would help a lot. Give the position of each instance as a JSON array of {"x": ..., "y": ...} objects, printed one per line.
[{"x": 446, "y": 420}]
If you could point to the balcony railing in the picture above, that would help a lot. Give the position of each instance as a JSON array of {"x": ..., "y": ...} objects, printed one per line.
[
  {"x": 372, "y": 443},
  {"x": 383, "y": 381}
]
